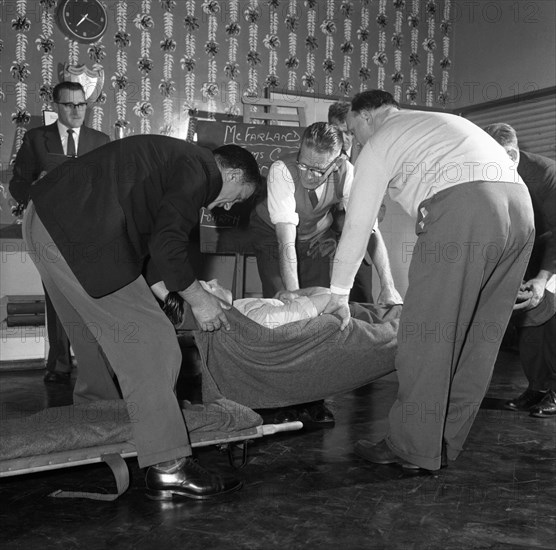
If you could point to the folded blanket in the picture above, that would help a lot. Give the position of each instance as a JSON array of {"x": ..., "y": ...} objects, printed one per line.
[
  {"x": 298, "y": 362},
  {"x": 59, "y": 429}
]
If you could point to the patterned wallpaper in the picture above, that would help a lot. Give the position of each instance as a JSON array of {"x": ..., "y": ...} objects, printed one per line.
[{"x": 165, "y": 59}]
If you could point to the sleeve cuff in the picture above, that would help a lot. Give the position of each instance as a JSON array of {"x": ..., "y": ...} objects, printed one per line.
[
  {"x": 285, "y": 217},
  {"x": 340, "y": 291}
]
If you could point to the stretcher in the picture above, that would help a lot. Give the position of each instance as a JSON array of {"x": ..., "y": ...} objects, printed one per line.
[
  {"x": 248, "y": 367},
  {"x": 70, "y": 443}
]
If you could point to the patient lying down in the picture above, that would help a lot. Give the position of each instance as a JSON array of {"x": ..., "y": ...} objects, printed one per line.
[
  {"x": 303, "y": 357},
  {"x": 286, "y": 307}
]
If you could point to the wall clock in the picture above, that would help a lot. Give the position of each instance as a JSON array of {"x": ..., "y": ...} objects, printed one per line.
[{"x": 82, "y": 20}]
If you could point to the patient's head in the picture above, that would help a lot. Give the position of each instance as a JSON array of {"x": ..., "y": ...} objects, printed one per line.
[{"x": 215, "y": 288}]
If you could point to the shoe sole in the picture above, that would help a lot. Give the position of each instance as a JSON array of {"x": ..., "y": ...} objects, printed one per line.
[
  {"x": 518, "y": 409},
  {"x": 407, "y": 467},
  {"x": 541, "y": 415},
  {"x": 155, "y": 494},
  {"x": 361, "y": 454}
]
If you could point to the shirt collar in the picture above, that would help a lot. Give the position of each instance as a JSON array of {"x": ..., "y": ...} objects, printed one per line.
[{"x": 64, "y": 130}]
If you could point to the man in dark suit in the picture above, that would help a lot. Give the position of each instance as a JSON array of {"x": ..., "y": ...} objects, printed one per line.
[
  {"x": 535, "y": 316},
  {"x": 43, "y": 149},
  {"x": 92, "y": 226}
]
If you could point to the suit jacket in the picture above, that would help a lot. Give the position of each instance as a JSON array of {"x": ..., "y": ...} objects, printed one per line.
[
  {"x": 539, "y": 175},
  {"x": 42, "y": 150},
  {"x": 131, "y": 200}
]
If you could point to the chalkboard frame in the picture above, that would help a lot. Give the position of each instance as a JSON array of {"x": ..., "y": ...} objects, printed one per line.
[{"x": 316, "y": 110}]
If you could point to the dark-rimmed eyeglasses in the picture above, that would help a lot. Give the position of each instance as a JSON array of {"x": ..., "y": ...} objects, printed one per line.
[
  {"x": 78, "y": 106},
  {"x": 320, "y": 172}
]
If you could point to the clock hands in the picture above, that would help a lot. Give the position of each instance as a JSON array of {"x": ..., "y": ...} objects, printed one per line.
[
  {"x": 94, "y": 22},
  {"x": 82, "y": 19},
  {"x": 87, "y": 18}
]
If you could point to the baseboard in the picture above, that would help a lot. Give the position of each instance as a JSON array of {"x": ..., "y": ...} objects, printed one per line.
[{"x": 23, "y": 365}]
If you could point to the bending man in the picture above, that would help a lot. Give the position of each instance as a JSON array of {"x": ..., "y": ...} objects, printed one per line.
[
  {"x": 474, "y": 223},
  {"x": 293, "y": 229},
  {"x": 535, "y": 317},
  {"x": 91, "y": 226}
]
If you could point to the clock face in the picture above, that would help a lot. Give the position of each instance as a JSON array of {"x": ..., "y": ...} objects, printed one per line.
[{"x": 82, "y": 20}]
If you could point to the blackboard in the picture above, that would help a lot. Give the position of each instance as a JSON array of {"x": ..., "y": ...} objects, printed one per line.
[
  {"x": 224, "y": 232},
  {"x": 267, "y": 143}
]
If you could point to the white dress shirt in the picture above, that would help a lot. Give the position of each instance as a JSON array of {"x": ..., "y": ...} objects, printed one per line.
[
  {"x": 63, "y": 130},
  {"x": 281, "y": 193}
]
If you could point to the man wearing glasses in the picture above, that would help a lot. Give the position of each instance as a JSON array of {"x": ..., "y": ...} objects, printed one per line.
[
  {"x": 43, "y": 149},
  {"x": 293, "y": 232},
  {"x": 293, "y": 239},
  {"x": 294, "y": 236}
]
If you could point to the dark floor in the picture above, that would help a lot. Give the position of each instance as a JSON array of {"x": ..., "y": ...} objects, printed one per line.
[{"x": 308, "y": 489}]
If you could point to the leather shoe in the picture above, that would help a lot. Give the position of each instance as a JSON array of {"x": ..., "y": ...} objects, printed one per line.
[
  {"x": 380, "y": 453},
  {"x": 281, "y": 416},
  {"x": 316, "y": 414},
  {"x": 189, "y": 479},
  {"x": 546, "y": 408},
  {"x": 525, "y": 401},
  {"x": 278, "y": 415},
  {"x": 55, "y": 377}
]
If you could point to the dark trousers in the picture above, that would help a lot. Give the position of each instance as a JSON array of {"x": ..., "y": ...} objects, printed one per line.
[
  {"x": 362, "y": 289},
  {"x": 537, "y": 351},
  {"x": 59, "y": 354}
]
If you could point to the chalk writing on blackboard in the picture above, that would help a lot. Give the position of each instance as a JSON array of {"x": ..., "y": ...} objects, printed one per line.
[
  {"x": 218, "y": 218},
  {"x": 267, "y": 143}
]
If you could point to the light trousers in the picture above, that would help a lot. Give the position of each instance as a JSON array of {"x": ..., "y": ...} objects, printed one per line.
[
  {"x": 136, "y": 340},
  {"x": 474, "y": 242}
]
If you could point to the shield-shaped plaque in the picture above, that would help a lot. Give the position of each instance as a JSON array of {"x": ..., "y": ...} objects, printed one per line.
[{"x": 92, "y": 80}]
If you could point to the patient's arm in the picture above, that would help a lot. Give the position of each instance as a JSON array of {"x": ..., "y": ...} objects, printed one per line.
[
  {"x": 320, "y": 300},
  {"x": 317, "y": 294},
  {"x": 289, "y": 295},
  {"x": 312, "y": 291}
]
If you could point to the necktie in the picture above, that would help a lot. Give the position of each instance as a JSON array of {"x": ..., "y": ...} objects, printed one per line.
[
  {"x": 71, "y": 152},
  {"x": 313, "y": 197}
]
